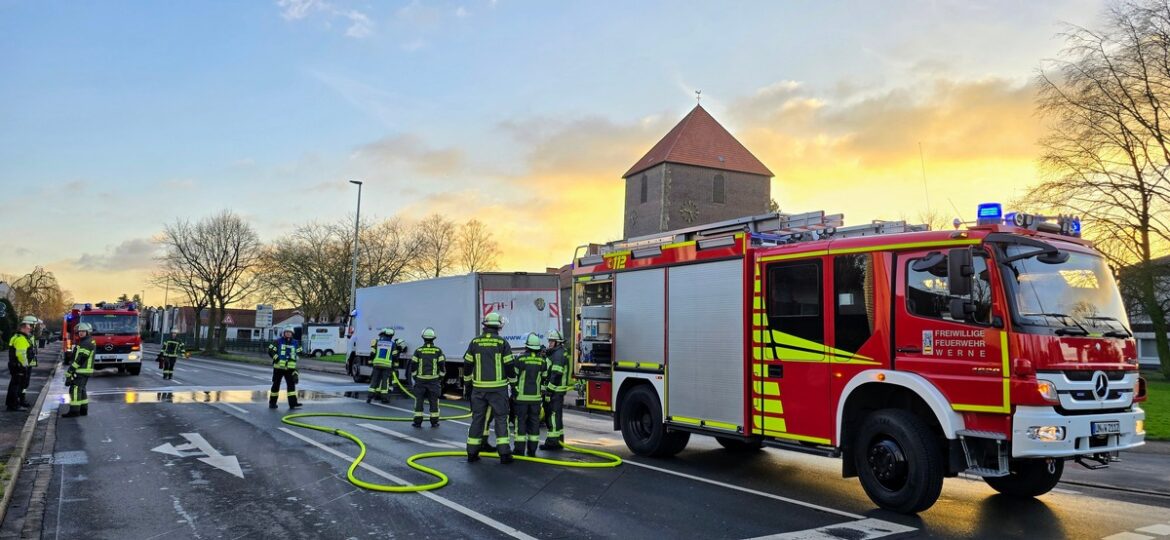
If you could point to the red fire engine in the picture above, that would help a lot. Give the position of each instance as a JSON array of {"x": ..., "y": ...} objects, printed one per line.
[
  {"x": 1000, "y": 350},
  {"x": 115, "y": 331}
]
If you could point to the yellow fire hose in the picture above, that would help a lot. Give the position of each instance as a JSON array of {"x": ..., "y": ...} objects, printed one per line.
[{"x": 611, "y": 460}]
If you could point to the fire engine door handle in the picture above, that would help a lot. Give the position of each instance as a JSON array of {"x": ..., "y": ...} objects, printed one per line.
[
  {"x": 910, "y": 349},
  {"x": 775, "y": 371}
]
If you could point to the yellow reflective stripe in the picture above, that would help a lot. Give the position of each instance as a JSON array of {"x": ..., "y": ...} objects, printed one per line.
[
  {"x": 617, "y": 253},
  {"x": 801, "y": 255},
  {"x": 679, "y": 244},
  {"x": 773, "y": 406},
  {"x": 757, "y": 286},
  {"x": 585, "y": 278},
  {"x": 770, "y": 425},
  {"x": 721, "y": 425},
  {"x": 636, "y": 365},
  {"x": 804, "y": 438},
  {"x": 686, "y": 420},
  {"x": 767, "y": 388},
  {"x": 906, "y": 245}
]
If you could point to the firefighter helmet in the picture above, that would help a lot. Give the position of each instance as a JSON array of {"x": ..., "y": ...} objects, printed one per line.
[
  {"x": 492, "y": 320},
  {"x": 29, "y": 320},
  {"x": 428, "y": 333},
  {"x": 533, "y": 342},
  {"x": 387, "y": 331},
  {"x": 553, "y": 335},
  {"x": 85, "y": 327},
  {"x": 288, "y": 329}
]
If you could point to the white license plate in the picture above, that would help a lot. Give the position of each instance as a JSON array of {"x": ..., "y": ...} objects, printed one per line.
[
  {"x": 107, "y": 357},
  {"x": 1106, "y": 428}
]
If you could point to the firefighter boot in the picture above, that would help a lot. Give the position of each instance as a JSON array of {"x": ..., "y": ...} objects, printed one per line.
[
  {"x": 434, "y": 422},
  {"x": 472, "y": 458},
  {"x": 73, "y": 413},
  {"x": 272, "y": 402},
  {"x": 532, "y": 448},
  {"x": 369, "y": 397},
  {"x": 551, "y": 443},
  {"x": 506, "y": 459},
  {"x": 292, "y": 402},
  {"x": 85, "y": 410}
]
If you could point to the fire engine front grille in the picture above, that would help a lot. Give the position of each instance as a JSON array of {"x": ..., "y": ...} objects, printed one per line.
[{"x": 1086, "y": 375}]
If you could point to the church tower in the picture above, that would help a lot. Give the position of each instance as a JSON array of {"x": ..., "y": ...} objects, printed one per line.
[{"x": 698, "y": 173}]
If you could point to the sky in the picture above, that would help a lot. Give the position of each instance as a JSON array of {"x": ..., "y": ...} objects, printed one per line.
[{"x": 119, "y": 117}]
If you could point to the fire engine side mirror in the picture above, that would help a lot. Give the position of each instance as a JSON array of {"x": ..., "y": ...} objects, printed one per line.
[
  {"x": 962, "y": 309},
  {"x": 960, "y": 272}
]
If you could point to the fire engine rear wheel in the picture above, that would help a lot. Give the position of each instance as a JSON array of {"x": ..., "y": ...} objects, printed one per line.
[
  {"x": 135, "y": 370},
  {"x": 1029, "y": 478},
  {"x": 899, "y": 461},
  {"x": 642, "y": 427},
  {"x": 736, "y": 444}
]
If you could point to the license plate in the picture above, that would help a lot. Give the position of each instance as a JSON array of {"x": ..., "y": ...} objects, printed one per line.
[
  {"x": 107, "y": 357},
  {"x": 1106, "y": 428}
]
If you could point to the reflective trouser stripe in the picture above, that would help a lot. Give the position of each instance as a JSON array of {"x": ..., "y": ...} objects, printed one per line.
[{"x": 474, "y": 440}]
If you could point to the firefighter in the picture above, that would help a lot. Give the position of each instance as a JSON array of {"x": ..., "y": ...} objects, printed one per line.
[
  {"x": 531, "y": 374},
  {"x": 284, "y": 353},
  {"x": 429, "y": 367},
  {"x": 80, "y": 359},
  {"x": 18, "y": 370},
  {"x": 382, "y": 360},
  {"x": 487, "y": 369},
  {"x": 171, "y": 351},
  {"x": 558, "y": 385},
  {"x": 33, "y": 348}
]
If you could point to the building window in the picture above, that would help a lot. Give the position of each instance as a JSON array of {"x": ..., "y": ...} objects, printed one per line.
[
  {"x": 645, "y": 188},
  {"x": 853, "y": 292},
  {"x": 794, "y": 300},
  {"x": 717, "y": 192}
]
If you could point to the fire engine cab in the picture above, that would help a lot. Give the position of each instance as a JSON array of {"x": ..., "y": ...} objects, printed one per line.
[
  {"x": 115, "y": 334},
  {"x": 1000, "y": 350}
]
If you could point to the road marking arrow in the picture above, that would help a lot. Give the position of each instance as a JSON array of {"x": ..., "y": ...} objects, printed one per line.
[{"x": 213, "y": 457}]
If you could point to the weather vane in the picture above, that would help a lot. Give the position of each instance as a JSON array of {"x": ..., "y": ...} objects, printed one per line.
[{"x": 698, "y": 96}]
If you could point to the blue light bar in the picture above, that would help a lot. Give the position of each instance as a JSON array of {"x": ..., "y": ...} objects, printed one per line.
[
  {"x": 1075, "y": 227},
  {"x": 989, "y": 214}
]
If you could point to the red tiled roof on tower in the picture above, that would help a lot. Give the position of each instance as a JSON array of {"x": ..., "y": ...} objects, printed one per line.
[{"x": 699, "y": 140}]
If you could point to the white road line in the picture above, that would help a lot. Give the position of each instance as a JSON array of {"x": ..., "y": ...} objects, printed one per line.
[
  {"x": 177, "y": 381},
  {"x": 863, "y": 529},
  {"x": 746, "y": 490},
  {"x": 456, "y": 444},
  {"x": 1065, "y": 491},
  {"x": 411, "y": 411},
  {"x": 1128, "y": 536},
  {"x": 230, "y": 406},
  {"x": 514, "y": 533},
  {"x": 406, "y": 437}
]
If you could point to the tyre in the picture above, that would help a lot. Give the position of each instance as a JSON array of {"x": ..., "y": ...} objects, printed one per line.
[
  {"x": 642, "y": 427},
  {"x": 317, "y": 353},
  {"x": 135, "y": 370},
  {"x": 1029, "y": 478},
  {"x": 736, "y": 444},
  {"x": 328, "y": 352},
  {"x": 899, "y": 461}
]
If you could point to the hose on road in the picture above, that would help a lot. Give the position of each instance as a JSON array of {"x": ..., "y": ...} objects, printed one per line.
[{"x": 610, "y": 460}]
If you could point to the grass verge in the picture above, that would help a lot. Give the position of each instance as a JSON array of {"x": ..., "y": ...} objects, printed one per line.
[
  {"x": 335, "y": 358},
  {"x": 1157, "y": 406}
]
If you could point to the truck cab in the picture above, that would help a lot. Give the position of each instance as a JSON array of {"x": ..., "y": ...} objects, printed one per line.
[{"x": 115, "y": 333}]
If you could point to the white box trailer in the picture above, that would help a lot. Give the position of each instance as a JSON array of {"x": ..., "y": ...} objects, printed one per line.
[
  {"x": 324, "y": 339},
  {"x": 454, "y": 307}
]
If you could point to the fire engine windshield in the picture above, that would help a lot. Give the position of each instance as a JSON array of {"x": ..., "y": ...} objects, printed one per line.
[
  {"x": 1076, "y": 297},
  {"x": 112, "y": 325}
]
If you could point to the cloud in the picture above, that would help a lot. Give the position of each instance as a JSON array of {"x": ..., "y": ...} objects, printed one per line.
[
  {"x": 411, "y": 151},
  {"x": 22, "y": 251},
  {"x": 360, "y": 24},
  {"x": 136, "y": 253}
]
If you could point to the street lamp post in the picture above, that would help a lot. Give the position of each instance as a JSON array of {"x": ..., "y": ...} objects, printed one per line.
[{"x": 353, "y": 276}]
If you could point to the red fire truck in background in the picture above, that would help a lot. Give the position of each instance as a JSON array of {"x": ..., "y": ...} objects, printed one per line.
[
  {"x": 1001, "y": 350},
  {"x": 115, "y": 330}
]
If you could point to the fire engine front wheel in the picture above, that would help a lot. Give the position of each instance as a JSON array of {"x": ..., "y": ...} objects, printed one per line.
[
  {"x": 899, "y": 461},
  {"x": 1029, "y": 477},
  {"x": 642, "y": 427}
]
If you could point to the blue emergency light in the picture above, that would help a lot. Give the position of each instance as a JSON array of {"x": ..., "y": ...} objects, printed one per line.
[
  {"x": 1074, "y": 227},
  {"x": 989, "y": 214}
]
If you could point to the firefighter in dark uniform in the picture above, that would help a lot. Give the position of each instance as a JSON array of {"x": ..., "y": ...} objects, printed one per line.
[
  {"x": 382, "y": 362},
  {"x": 284, "y": 353},
  {"x": 558, "y": 385},
  {"x": 18, "y": 364},
  {"x": 171, "y": 351},
  {"x": 80, "y": 359},
  {"x": 531, "y": 374},
  {"x": 33, "y": 347},
  {"x": 429, "y": 367},
  {"x": 487, "y": 370}
]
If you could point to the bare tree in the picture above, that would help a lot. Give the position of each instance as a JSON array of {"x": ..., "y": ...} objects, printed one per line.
[
  {"x": 436, "y": 250},
  {"x": 173, "y": 274},
  {"x": 1107, "y": 156},
  {"x": 477, "y": 249},
  {"x": 220, "y": 254},
  {"x": 39, "y": 294}
]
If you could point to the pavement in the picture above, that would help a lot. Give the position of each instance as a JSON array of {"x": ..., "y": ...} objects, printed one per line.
[{"x": 202, "y": 456}]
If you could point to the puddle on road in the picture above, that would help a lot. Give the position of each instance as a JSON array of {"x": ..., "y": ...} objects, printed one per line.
[{"x": 211, "y": 396}]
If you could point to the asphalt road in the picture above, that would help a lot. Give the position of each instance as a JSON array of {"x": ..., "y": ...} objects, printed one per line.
[{"x": 202, "y": 456}]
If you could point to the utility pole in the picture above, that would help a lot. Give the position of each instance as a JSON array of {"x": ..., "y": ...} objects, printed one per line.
[{"x": 353, "y": 276}]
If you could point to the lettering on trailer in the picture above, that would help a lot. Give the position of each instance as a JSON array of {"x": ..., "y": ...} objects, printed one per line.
[
  {"x": 951, "y": 343},
  {"x": 198, "y": 446}
]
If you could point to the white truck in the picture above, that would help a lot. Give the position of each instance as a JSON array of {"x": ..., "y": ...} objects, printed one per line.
[
  {"x": 325, "y": 339},
  {"x": 454, "y": 307}
]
